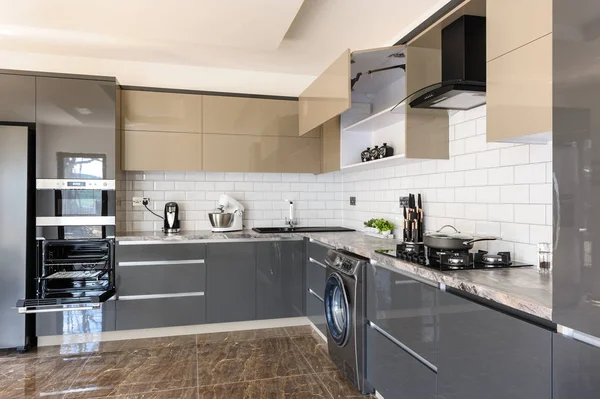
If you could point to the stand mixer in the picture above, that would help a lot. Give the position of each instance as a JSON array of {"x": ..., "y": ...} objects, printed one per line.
[{"x": 228, "y": 216}]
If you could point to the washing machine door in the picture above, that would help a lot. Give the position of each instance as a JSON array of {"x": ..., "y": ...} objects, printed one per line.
[{"x": 337, "y": 310}]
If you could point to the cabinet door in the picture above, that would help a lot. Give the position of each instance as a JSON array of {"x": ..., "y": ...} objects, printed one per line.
[
  {"x": 144, "y": 150},
  {"x": 484, "y": 353},
  {"x": 315, "y": 311},
  {"x": 576, "y": 367},
  {"x": 231, "y": 282},
  {"x": 405, "y": 309},
  {"x": 231, "y": 153},
  {"x": 76, "y": 127},
  {"x": 511, "y": 24},
  {"x": 327, "y": 96},
  {"x": 519, "y": 94},
  {"x": 77, "y": 321},
  {"x": 17, "y": 98},
  {"x": 160, "y": 311},
  {"x": 250, "y": 116},
  {"x": 394, "y": 373},
  {"x": 331, "y": 146},
  {"x": 279, "y": 279},
  {"x": 161, "y": 112}
]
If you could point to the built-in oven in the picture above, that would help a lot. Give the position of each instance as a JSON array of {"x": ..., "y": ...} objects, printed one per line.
[
  {"x": 75, "y": 208},
  {"x": 71, "y": 275}
]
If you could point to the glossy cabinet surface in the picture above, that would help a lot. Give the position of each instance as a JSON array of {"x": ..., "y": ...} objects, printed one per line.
[
  {"x": 145, "y": 150},
  {"x": 77, "y": 321},
  {"x": 576, "y": 133},
  {"x": 327, "y": 96},
  {"x": 251, "y": 116},
  {"x": 279, "y": 279},
  {"x": 315, "y": 284},
  {"x": 244, "y": 153},
  {"x": 17, "y": 98},
  {"x": 405, "y": 309},
  {"x": 484, "y": 353},
  {"x": 519, "y": 93},
  {"x": 331, "y": 145},
  {"x": 576, "y": 367},
  {"x": 511, "y": 24},
  {"x": 231, "y": 282},
  {"x": 160, "y": 312},
  {"x": 161, "y": 111},
  {"x": 75, "y": 128},
  {"x": 315, "y": 311},
  {"x": 394, "y": 373}
]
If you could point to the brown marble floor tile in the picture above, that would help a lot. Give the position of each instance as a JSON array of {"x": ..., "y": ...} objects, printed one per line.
[
  {"x": 297, "y": 387},
  {"x": 315, "y": 352},
  {"x": 35, "y": 377},
  {"x": 160, "y": 342},
  {"x": 296, "y": 331},
  {"x": 187, "y": 393},
  {"x": 338, "y": 386},
  {"x": 222, "y": 362},
  {"x": 246, "y": 335}
]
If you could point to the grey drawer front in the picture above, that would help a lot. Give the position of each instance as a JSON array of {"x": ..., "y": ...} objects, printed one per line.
[
  {"x": 315, "y": 310},
  {"x": 315, "y": 278},
  {"x": 406, "y": 309},
  {"x": 160, "y": 312},
  {"x": 159, "y": 279},
  {"x": 394, "y": 373},
  {"x": 317, "y": 251},
  {"x": 149, "y": 252},
  {"x": 77, "y": 321}
]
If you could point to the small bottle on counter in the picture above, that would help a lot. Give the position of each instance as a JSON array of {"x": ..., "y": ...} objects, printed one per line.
[{"x": 365, "y": 156}]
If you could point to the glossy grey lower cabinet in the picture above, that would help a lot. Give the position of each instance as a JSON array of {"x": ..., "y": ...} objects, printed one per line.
[
  {"x": 315, "y": 284},
  {"x": 315, "y": 311},
  {"x": 576, "y": 369},
  {"x": 160, "y": 312},
  {"x": 484, "y": 353},
  {"x": 279, "y": 279},
  {"x": 77, "y": 321},
  {"x": 231, "y": 282},
  {"x": 405, "y": 309},
  {"x": 394, "y": 373}
]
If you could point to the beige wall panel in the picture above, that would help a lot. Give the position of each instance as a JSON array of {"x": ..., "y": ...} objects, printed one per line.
[
  {"x": 161, "y": 112},
  {"x": 519, "y": 92},
  {"x": 513, "y": 23},
  {"x": 330, "y": 145},
  {"x": 327, "y": 96},
  {"x": 231, "y": 153},
  {"x": 162, "y": 151},
  {"x": 427, "y": 134},
  {"x": 253, "y": 116}
]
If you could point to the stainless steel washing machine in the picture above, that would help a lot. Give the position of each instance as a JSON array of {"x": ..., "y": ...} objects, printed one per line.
[{"x": 345, "y": 309}]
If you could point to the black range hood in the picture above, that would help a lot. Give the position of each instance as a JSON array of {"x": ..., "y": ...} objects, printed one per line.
[{"x": 463, "y": 68}]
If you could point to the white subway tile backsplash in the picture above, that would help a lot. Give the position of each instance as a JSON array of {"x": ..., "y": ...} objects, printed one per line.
[
  {"x": 540, "y": 152},
  {"x": 532, "y": 214},
  {"x": 514, "y": 155},
  {"x": 455, "y": 179},
  {"x": 224, "y": 186},
  {"x": 487, "y": 194},
  {"x": 465, "y": 194},
  {"x": 488, "y": 228},
  {"x": 174, "y": 195},
  {"x": 143, "y": 185},
  {"x": 465, "y": 162},
  {"x": 455, "y": 210},
  {"x": 532, "y": 173},
  {"x": 488, "y": 159},
  {"x": 475, "y": 144},
  {"x": 501, "y": 176},
  {"x": 515, "y": 232},
  {"x": 514, "y": 194},
  {"x": 476, "y": 177},
  {"x": 173, "y": 176},
  {"x": 244, "y": 186},
  {"x": 540, "y": 234},
  {"x": 215, "y": 176},
  {"x": 540, "y": 193},
  {"x": 185, "y": 186},
  {"x": 164, "y": 185},
  {"x": 464, "y": 130},
  {"x": 501, "y": 212},
  {"x": 205, "y": 186}
]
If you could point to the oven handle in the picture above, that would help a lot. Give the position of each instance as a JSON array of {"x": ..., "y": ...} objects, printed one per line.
[{"x": 54, "y": 309}]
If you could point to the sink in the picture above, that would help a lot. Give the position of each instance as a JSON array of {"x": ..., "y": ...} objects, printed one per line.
[{"x": 266, "y": 230}]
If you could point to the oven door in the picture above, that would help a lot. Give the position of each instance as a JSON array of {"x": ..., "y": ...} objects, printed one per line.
[{"x": 72, "y": 275}]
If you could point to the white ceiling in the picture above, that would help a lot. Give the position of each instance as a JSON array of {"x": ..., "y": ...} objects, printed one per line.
[{"x": 260, "y": 37}]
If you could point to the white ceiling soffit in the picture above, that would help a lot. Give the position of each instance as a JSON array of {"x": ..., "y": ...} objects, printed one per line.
[{"x": 170, "y": 43}]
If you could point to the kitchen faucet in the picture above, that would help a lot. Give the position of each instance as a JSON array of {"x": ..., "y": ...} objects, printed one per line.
[{"x": 291, "y": 220}]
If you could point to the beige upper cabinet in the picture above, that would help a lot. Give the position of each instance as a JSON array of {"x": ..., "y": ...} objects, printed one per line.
[
  {"x": 327, "y": 96},
  {"x": 161, "y": 151},
  {"x": 250, "y": 116},
  {"x": 161, "y": 112},
  {"x": 511, "y": 24},
  {"x": 519, "y": 94},
  {"x": 330, "y": 145},
  {"x": 245, "y": 153}
]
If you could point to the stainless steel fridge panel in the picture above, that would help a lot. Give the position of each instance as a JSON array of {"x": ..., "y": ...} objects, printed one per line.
[{"x": 13, "y": 232}]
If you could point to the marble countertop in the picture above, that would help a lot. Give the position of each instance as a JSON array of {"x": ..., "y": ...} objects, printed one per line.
[{"x": 523, "y": 289}]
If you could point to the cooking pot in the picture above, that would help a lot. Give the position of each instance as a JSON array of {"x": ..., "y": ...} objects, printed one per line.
[{"x": 451, "y": 241}]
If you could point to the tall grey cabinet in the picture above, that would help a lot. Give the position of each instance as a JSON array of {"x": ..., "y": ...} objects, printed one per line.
[
  {"x": 576, "y": 369},
  {"x": 315, "y": 284}
]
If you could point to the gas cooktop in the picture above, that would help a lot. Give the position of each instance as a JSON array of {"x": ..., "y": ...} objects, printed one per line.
[{"x": 445, "y": 260}]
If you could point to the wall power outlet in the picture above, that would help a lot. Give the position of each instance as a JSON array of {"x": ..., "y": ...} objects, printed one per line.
[{"x": 140, "y": 201}]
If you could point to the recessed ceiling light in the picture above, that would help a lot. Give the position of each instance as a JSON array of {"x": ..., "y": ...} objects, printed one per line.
[{"x": 83, "y": 111}]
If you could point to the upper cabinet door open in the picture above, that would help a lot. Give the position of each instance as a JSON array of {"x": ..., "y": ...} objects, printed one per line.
[{"x": 327, "y": 97}]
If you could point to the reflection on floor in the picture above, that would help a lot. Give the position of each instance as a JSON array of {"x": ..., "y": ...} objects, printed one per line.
[{"x": 273, "y": 363}]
